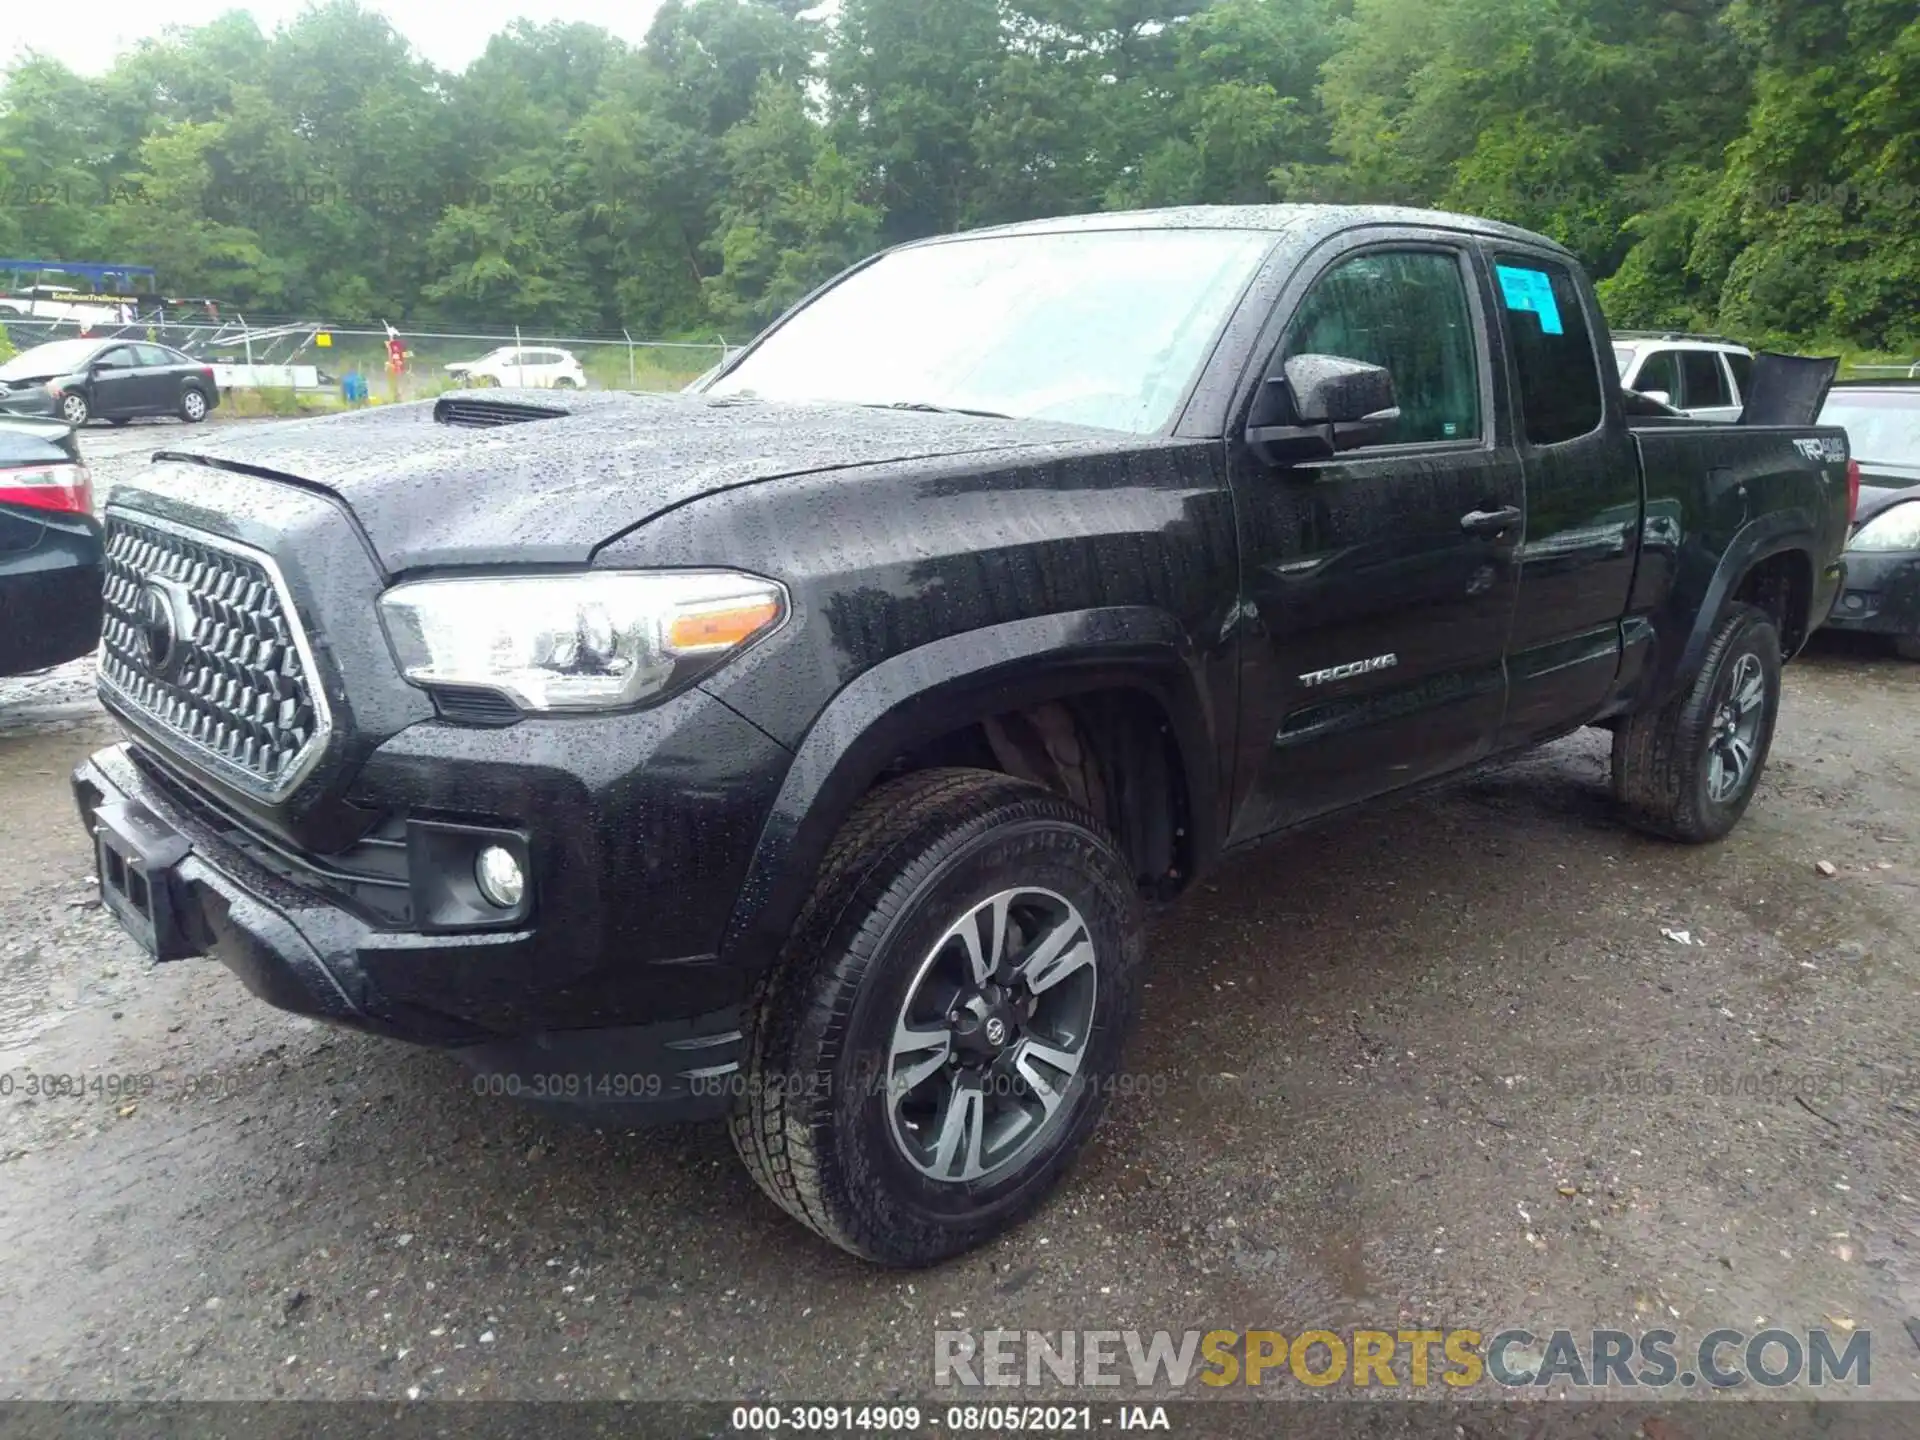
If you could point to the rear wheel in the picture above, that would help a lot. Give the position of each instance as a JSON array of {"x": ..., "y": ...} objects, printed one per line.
[
  {"x": 193, "y": 405},
  {"x": 1688, "y": 770},
  {"x": 938, "y": 1038},
  {"x": 74, "y": 409}
]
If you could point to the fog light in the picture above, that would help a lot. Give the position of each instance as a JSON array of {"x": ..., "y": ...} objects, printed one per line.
[{"x": 498, "y": 875}]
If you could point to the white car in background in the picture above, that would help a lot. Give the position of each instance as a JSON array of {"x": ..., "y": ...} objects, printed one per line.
[
  {"x": 540, "y": 366},
  {"x": 1703, "y": 375}
]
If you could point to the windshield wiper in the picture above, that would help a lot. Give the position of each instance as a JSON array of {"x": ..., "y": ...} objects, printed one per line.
[{"x": 926, "y": 407}]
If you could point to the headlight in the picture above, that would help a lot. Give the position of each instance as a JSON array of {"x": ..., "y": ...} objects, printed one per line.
[
  {"x": 592, "y": 641},
  {"x": 1897, "y": 528}
]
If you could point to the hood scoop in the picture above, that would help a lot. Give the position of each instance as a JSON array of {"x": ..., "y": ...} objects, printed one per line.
[{"x": 478, "y": 412}]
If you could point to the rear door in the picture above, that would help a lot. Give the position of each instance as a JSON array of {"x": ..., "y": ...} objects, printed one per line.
[
  {"x": 1381, "y": 581},
  {"x": 159, "y": 373},
  {"x": 1583, "y": 496}
]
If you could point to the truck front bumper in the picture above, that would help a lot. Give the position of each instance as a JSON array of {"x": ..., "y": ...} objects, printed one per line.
[{"x": 569, "y": 1006}]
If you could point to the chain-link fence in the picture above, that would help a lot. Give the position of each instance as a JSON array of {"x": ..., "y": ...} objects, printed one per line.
[{"x": 316, "y": 360}]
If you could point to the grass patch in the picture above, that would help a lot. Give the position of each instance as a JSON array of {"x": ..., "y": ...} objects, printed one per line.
[
  {"x": 608, "y": 367},
  {"x": 285, "y": 403}
]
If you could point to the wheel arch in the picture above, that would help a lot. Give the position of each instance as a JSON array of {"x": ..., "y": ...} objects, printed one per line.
[
  {"x": 1123, "y": 668},
  {"x": 1768, "y": 563}
]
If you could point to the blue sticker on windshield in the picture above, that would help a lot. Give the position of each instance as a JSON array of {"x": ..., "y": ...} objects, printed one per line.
[{"x": 1531, "y": 290}]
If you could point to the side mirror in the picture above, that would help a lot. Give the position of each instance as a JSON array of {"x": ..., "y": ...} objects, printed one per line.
[
  {"x": 1331, "y": 390},
  {"x": 1319, "y": 405},
  {"x": 1661, "y": 395}
]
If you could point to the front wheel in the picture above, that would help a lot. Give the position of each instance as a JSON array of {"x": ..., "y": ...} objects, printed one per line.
[
  {"x": 193, "y": 406},
  {"x": 1688, "y": 770},
  {"x": 73, "y": 408},
  {"x": 940, "y": 1034}
]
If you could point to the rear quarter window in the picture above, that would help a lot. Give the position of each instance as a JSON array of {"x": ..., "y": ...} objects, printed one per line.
[
  {"x": 1557, "y": 372},
  {"x": 1741, "y": 364}
]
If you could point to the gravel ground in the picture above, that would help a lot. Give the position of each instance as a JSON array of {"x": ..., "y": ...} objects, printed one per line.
[{"x": 1443, "y": 1061}]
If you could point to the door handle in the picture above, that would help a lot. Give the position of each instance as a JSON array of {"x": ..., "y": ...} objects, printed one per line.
[{"x": 1491, "y": 522}]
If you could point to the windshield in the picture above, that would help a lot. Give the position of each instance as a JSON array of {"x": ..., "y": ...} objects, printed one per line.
[
  {"x": 1879, "y": 427},
  {"x": 1103, "y": 328},
  {"x": 58, "y": 358}
]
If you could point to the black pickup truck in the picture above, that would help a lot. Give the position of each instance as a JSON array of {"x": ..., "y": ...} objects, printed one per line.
[{"x": 802, "y": 750}]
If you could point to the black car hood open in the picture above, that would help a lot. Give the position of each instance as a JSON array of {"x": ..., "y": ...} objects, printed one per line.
[{"x": 552, "y": 490}]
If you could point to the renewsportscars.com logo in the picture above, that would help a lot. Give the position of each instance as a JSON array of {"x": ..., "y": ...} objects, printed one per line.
[{"x": 1384, "y": 1360}]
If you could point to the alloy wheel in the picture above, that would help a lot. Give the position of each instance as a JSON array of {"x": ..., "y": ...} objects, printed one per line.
[
  {"x": 1734, "y": 739},
  {"x": 988, "y": 1043}
]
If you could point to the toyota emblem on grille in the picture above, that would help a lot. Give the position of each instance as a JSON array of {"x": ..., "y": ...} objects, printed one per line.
[{"x": 165, "y": 622}]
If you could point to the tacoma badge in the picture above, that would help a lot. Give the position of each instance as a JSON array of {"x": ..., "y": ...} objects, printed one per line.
[{"x": 1348, "y": 672}]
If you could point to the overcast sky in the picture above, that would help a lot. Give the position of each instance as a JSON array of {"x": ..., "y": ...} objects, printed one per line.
[{"x": 450, "y": 33}]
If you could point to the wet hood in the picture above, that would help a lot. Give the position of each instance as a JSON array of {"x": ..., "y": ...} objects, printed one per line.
[{"x": 552, "y": 490}]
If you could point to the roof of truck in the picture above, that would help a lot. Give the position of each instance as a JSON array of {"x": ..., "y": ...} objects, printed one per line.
[{"x": 1307, "y": 221}]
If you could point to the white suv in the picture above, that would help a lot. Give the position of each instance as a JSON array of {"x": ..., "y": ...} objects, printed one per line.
[
  {"x": 1701, "y": 374},
  {"x": 541, "y": 367}
]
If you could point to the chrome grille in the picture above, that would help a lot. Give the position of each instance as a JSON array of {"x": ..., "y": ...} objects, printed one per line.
[{"x": 224, "y": 672}]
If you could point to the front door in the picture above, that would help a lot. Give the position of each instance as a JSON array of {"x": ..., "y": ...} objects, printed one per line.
[
  {"x": 114, "y": 382},
  {"x": 1381, "y": 582}
]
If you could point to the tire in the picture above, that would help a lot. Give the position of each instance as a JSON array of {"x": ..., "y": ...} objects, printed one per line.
[
  {"x": 831, "y": 1116},
  {"x": 1665, "y": 773},
  {"x": 193, "y": 405},
  {"x": 1907, "y": 647},
  {"x": 74, "y": 408},
  {"x": 564, "y": 382}
]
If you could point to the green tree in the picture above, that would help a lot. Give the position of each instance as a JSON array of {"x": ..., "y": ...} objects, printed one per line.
[
  {"x": 792, "y": 217},
  {"x": 907, "y": 80},
  {"x": 1811, "y": 231}
]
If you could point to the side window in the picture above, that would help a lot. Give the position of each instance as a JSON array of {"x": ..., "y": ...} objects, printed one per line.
[
  {"x": 154, "y": 355},
  {"x": 120, "y": 357},
  {"x": 1662, "y": 373},
  {"x": 1742, "y": 366},
  {"x": 1705, "y": 382},
  {"x": 1405, "y": 311},
  {"x": 1553, "y": 359}
]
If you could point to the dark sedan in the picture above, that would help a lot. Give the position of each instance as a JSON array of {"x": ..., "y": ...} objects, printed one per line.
[
  {"x": 1882, "y": 421},
  {"x": 117, "y": 380},
  {"x": 50, "y": 548}
]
